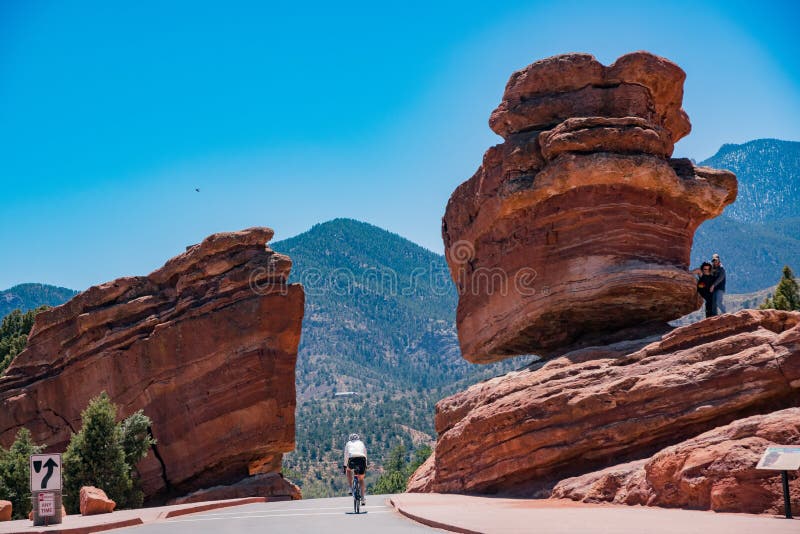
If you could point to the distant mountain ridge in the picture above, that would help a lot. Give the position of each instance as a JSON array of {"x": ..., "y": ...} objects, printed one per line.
[
  {"x": 29, "y": 296},
  {"x": 768, "y": 171},
  {"x": 759, "y": 233}
]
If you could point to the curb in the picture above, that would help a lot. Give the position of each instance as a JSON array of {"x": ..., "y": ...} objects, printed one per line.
[
  {"x": 430, "y": 522},
  {"x": 211, "y": 506},
  {"x": 89, "y": 529}
]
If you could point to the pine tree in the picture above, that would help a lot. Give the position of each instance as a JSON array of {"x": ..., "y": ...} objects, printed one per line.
[
  {"x": 136, "y": 442},
  {"x": 787, "y": 294},
  {"x": 15, "y": 473},
  {"x": 398, "y": 469},
  {"x": 104, "y": 454}
]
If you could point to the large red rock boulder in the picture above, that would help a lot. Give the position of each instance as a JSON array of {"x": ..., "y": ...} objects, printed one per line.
[
  {"x": 5, "y": 510},
  {"x": 713, "y": 471},
  {"x": 271, "y": 485},
  {"x": 94, "y": 501},
  {"x": 525, "y": 431},
  {"x": 579, "y": 226},
  {"x": 206, "y": 346}
]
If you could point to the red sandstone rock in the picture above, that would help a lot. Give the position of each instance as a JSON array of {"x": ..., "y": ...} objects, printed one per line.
[
  {"x": 206, "y": 345},
  {"x": 525, "y": 431},
  {"x": 578, "y": 226},
  {"x": 713, "y": 471},
  {"x": 5, "y": 510},
  {"x": 552, "y": 90},
  {"x": 95, "y": 501},
  {"x": 271, "y": 485},
  {"x": 593, "y": 134}
]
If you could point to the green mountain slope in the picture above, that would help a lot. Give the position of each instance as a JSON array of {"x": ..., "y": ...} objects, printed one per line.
[
  {"x": 376, "y": 301},
  {"x": 759, "y": 233},
  {"x": 379, "y": 322},
  {"x": 26, "y": 297}
]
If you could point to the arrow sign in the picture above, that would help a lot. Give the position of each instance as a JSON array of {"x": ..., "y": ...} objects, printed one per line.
[
  {"x": 49, "y": 465},
  {"x": 45, "y": 472}
]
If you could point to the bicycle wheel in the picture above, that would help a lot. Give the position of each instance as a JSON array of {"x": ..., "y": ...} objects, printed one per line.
[{"x": 356, "y": 496}]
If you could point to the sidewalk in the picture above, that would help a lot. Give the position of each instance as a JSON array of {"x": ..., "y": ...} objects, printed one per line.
[
  {"x": 488, "y": 515},
  {"x": 78, "y": 524}
]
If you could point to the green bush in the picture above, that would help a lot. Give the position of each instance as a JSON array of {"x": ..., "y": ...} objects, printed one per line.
[
  {"x": 15, "y": 473},
  {"x": 398, "y": 469},
  {"x": 787, "y": 294},
  {"x": 104, "y": 454}
]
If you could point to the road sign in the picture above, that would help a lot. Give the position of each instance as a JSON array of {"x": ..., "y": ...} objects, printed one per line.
[
  {"x": 45, "y": 472},
  {"x": 780, "y": 459},
  {"x": 47, "y": 504}
]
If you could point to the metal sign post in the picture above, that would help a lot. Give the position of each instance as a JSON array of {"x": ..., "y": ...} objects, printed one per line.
[
  {"x": 787, "y": 502},
  {"x": 783, "y": 459},
  {"x": 46, "y": 488}
]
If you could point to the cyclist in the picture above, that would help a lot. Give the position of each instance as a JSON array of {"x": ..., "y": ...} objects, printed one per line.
[{"x": 355, "y": 459}]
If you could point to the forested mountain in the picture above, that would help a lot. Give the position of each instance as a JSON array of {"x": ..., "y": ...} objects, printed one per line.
[
  {"x": 26, "y": 297},
  {"x": 759, "y": 233},
  {"x": 378, "y": 308},
  {"x": 14, "y": 330},
  {"x": 379, "y": 322}
]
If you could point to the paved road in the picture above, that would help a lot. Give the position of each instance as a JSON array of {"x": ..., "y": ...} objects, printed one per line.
[{"x": 312, "y": 516}]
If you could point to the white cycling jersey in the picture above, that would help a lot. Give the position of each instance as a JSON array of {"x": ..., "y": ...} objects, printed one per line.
[{"x": 354, "y": 449}]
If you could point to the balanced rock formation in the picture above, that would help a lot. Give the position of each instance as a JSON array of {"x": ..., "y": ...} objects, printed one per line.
[
  {"x": 713, "y": 471},
  {"x": 579, "y": 226},
  {"x": 94, "y": 501},
  {"x": 525, "y": 431},
  {"x": 206, "y": 346}
]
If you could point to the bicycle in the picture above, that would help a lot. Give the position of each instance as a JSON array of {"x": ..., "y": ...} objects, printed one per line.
[
  {"x": 356, "y": 495},
  {"x": 356, "y": 491}
]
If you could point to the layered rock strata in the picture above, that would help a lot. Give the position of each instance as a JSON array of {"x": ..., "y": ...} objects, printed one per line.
[
  {"x": 206, "y": 346},
  {"x": 525, "y": 431},
  {"x": 578, "y": 225},
  {"x": 713, "y": 471}
]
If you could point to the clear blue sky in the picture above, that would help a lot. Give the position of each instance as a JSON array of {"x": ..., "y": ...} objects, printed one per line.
[{"x": 111, "y": 113}]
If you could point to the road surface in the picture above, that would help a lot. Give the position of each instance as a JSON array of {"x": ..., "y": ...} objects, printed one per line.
[{"x": 295, "y": 517}]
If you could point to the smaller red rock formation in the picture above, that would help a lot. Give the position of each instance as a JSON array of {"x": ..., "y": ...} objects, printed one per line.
[
  {"x": 713, "y": 471},
  {"x": 94, "y": 501},
  {"x": 271, "y": 485},
  {"x": 5, "y": 510},
  {"x": 206, "y": 345}
]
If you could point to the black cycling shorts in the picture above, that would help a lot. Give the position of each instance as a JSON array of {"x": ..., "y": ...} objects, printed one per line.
[{"x": 358, "y": 464}]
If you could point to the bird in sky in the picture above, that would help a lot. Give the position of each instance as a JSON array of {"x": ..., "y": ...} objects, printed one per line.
[{"x": 197, "y": 189}]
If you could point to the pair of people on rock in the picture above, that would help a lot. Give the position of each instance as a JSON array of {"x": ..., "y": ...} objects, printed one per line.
[{"x": 711, "y": 285}]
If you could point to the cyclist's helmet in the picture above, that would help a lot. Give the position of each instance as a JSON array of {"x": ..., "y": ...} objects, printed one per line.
[{"x": 353, "y": 437}]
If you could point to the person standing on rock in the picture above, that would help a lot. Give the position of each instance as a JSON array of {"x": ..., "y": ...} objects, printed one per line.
[
  {"x": 705, "y": 279},
  {"x": 718, "y": 287}
]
